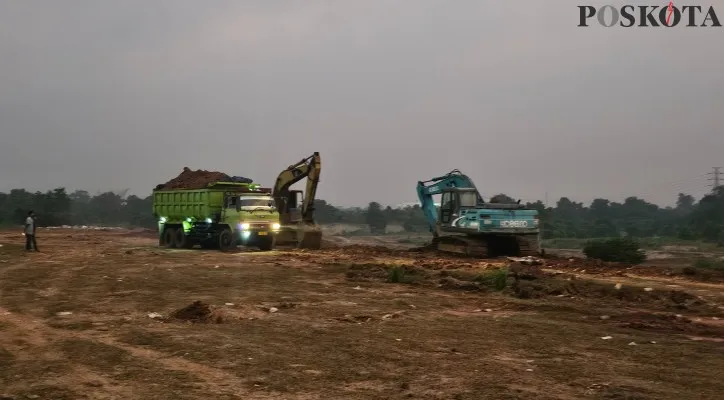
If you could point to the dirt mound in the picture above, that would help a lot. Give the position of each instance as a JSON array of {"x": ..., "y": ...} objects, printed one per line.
[
  {"x": 427, "y": 248},
  {"x": 329, "y": 244},
  {"x": 667, "y": 323},
  {"x": 369, "y": 250},
  {"x": 198, "y": 312},
  {"x": 199, "y": 179}
]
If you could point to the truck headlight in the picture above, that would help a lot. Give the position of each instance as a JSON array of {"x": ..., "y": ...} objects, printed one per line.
[
  {"x": 245, "y": 226},
  {"x": 276, "y": 226}
]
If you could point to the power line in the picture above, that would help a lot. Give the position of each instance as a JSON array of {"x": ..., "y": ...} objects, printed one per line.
[{"x": 715, "y": 177}]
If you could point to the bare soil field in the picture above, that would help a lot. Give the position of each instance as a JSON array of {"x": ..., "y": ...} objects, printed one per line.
[{"x": 109, "y": 315}]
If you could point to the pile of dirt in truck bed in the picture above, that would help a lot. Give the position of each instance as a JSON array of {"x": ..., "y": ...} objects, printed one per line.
[{"x": 199, "y": 179}]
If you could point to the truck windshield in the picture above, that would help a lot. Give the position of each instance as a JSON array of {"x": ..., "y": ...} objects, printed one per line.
[{"x": 255, "y": 202}]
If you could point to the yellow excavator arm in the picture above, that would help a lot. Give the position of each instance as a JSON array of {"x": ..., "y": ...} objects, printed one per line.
[{"x": 297, "y": 220}]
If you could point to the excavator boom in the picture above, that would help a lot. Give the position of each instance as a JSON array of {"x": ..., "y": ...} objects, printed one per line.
[{"x": 297, "y": 217}]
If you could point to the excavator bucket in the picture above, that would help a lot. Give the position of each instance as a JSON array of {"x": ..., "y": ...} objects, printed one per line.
[{"x": 310, "y": 237}]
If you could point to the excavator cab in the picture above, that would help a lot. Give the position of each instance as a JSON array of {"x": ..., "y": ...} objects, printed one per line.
[
  {"x": 291, "y": 207},
  {"x": 455, "y": 199}
]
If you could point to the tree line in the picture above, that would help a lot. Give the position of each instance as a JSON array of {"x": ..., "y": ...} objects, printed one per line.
[{"x": 634, "y": 217}]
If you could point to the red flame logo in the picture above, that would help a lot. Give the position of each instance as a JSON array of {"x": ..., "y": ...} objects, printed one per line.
[{"x": 669, "y": 13}]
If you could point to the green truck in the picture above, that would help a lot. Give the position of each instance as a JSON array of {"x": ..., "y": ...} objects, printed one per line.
[{"x": 222, "y": 216}]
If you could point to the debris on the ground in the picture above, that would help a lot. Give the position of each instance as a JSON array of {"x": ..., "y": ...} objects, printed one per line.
[
  {"x": 605, "y": 316},
  {"x": 594, "y": 387},
  {"x": 449, "y": 282},
  {"x": 273, "y": 309},
  {"x": 63, "y": 313},
  {"x": 529, "y": 260},
  {"x": 648, "y": 289},
  {"x": 525, "y": 271},
  {"x": 228, "y": 304},
  {"x": 396, "y": 314},
  {"x": 197, "y": 312},
  {"x": 358, "y": 319},
  {"x": 632, "y": 344},
  {"x": 618, "y": 286},
  {"x": 607, "y": 337}
]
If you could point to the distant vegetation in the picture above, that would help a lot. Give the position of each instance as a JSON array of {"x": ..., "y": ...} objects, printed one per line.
[
  {"x": 566, "y": 221},
  {"x": 624, "y": 249}
]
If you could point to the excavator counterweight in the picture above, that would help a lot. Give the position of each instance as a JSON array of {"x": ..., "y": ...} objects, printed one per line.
[{"x": 296, "y": 208}]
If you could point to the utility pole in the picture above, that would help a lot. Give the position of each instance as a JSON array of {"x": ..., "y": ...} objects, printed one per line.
[{"x": 716, "y": 177}]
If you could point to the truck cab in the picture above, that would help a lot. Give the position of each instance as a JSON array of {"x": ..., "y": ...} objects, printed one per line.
[{"x": 253, "y": 216}]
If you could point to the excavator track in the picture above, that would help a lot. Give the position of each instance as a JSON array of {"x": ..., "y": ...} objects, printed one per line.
[
  {"x": 468, "y": 246},
  {"x": 487, "y": 247},
  {"x": 528, "y": 245}
]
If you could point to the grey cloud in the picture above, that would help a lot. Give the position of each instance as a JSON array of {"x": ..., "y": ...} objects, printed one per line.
[{"x": 124, "y": 94}]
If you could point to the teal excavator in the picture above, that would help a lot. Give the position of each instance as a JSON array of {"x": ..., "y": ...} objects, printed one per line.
[{"x": 466, "y": 224}]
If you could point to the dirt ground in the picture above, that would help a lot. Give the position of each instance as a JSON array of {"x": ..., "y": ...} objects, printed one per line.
[{"x": 109, "y": 315}]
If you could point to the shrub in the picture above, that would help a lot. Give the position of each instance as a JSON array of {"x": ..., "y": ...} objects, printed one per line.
[
  {"x": 398, "y": 274},
  {"x": 623, "y": 250},
  {"x": 710, "y": 264},
  {"x": 496, "y": 279}
]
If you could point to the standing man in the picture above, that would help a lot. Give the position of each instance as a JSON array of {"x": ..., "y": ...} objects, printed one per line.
[{"x": 30, "y": 227}]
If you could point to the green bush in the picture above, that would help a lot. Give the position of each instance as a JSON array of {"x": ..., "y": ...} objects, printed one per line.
[
  {"x": 710, "y": 264},
  {"x": 623, "y": 250},
  {"x": 398, "y": 274},
  {"x": 495, "y": 279}
]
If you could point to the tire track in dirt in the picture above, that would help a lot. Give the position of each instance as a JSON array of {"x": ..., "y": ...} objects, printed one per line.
[{"x": 39, "y": 334}]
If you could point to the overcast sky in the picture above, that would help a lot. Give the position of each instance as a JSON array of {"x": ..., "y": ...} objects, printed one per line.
[{"x": 109, "y": 95}]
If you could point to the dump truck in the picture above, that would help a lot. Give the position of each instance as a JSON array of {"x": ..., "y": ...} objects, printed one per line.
[{"x": 222, "y": 215}]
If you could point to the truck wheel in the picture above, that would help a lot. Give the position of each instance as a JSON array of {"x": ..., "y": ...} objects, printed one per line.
[
  {"x": 266, "y": 244},
  {"x": 226, "y": 239},
  {"x": 169, "y": 235},
  {"x": 182, "y": 241}
]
